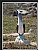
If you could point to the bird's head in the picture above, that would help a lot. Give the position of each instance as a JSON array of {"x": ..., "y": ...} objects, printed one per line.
[{"x": 17, "y": 12}]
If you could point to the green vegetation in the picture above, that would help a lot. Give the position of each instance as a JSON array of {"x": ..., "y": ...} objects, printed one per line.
[{"x": 9, "y": 24}]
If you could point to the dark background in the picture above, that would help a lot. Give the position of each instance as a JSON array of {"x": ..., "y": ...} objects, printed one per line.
[
  {"x": 19, "y": 0},
  {"x": 1, "y": 14}
]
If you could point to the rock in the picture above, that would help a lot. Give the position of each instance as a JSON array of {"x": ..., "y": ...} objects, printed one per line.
[
  {"x": 33, "y": 43},
  {"x": 21, "y": 41}
]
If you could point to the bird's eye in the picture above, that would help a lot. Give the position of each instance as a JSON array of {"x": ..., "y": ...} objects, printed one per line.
[{"x": 20, "y": 11}]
